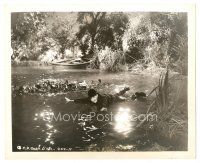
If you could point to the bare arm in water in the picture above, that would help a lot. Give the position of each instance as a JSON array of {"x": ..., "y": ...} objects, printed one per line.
[{"x": 81, "y": 100}]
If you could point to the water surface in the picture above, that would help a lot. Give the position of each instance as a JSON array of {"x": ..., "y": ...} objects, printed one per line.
[{"x": 31, "y": 131}]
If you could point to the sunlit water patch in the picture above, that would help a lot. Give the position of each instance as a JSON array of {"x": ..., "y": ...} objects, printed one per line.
[
  {"x": 45, "y": 119},
  {"x": 123, "y": 121}
]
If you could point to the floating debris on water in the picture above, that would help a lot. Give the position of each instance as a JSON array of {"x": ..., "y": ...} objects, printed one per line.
[{"x": 52, "y": 86}]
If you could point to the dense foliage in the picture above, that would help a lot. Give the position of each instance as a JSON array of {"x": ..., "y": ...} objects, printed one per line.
[
  {"x": 149, "y": 39},
  {"x": 98, "y": 30},
  {"x": 28, "y": 35}
]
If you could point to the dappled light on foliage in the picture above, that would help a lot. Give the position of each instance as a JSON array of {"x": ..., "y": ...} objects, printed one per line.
[{"x": 145, "y": 39}]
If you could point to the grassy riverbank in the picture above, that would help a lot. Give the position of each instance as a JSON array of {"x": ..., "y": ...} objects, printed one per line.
[
  {"x": 29, "y": 63},
  {"x": 170, "y": 105}
]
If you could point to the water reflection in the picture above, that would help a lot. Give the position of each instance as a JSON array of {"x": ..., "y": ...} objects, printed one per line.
[
  {"x": 45, "y": 119},
  {"x": 90, "y": 129},
  {"x": 123, "y": 122}
]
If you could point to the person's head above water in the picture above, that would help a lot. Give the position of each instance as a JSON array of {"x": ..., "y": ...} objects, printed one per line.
[{"x": 93, "y": 95}]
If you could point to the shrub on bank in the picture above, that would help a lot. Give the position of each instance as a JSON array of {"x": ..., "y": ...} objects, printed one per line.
[{"x": 111, "y": 60}]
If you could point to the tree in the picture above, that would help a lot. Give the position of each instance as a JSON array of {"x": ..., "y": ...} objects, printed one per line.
[
  {"x": 174, "y": 30},
  {"x": 62, "y": 33},
  {"x": 25, "y": 34},
  {"x": 27, "y": 24},
  {"x": 100, "y": 29},
  {"x": 90, "y": 24},
  {"x": 160, "y": 39}
]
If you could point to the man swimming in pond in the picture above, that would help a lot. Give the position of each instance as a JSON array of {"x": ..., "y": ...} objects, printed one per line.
[{"x": 101, "y": 101}]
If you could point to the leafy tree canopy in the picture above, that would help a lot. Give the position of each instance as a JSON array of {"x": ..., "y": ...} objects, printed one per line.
[{"x": 100, "y": 29}]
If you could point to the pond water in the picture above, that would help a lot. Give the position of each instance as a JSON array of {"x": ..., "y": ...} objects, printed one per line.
[{"x": 34, "y": 128}]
